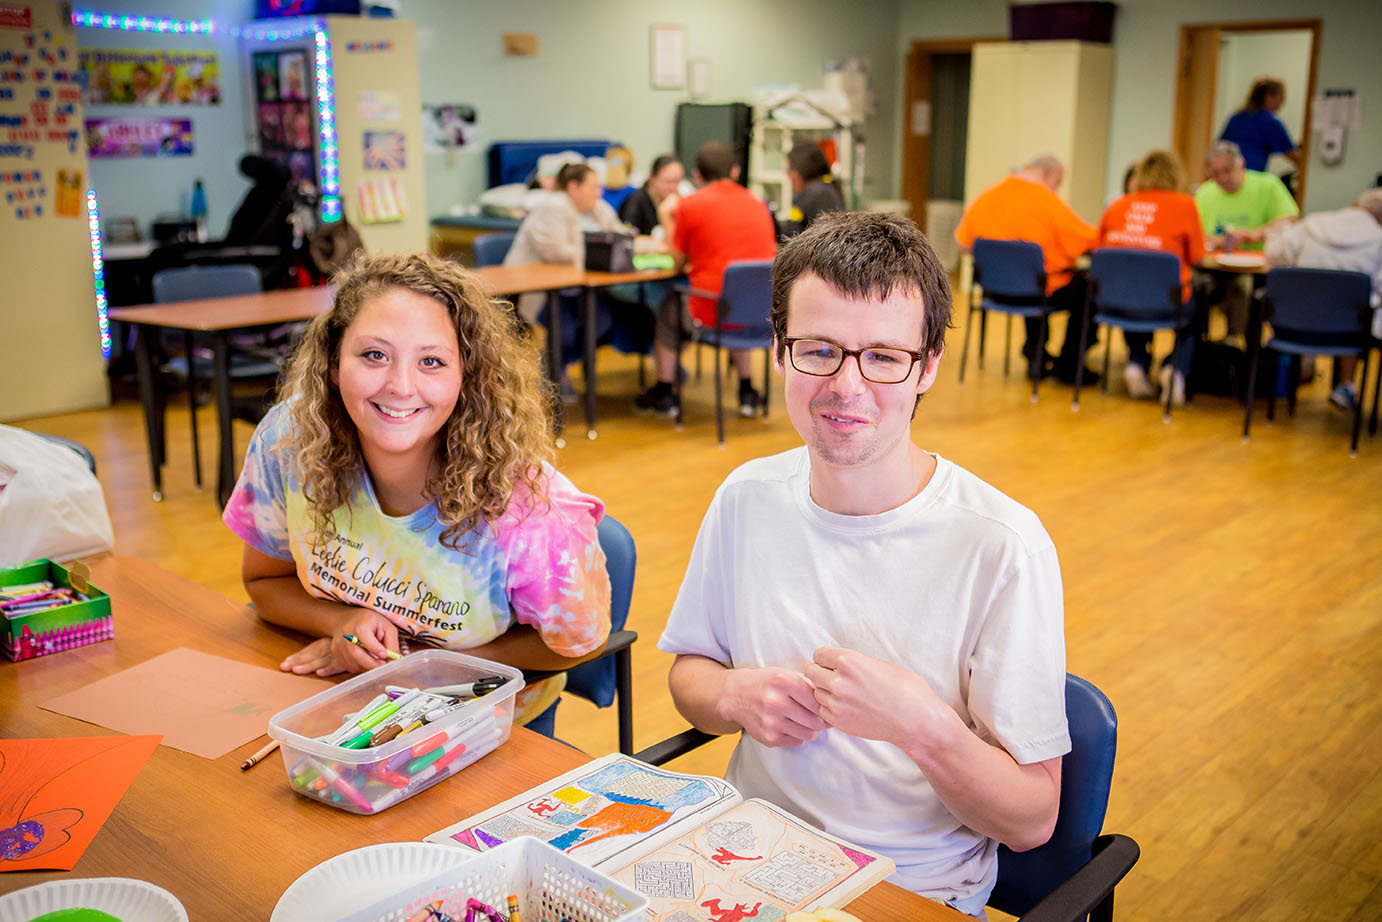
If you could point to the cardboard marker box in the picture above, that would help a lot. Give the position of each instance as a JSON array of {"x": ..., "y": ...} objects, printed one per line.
[{"x": 54, "y": 629}]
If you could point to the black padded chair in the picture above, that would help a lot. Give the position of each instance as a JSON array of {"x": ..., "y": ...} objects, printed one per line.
[
  {"x": 1312, "y": 312},
  {"x": 1074, "y": 874}
]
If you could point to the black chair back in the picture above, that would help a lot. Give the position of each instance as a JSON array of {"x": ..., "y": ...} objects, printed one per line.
[
  {"x": 1011, "y": 269},
  {"x": 1319, "y": 305},
  {"x": 1136, "y": 284}
]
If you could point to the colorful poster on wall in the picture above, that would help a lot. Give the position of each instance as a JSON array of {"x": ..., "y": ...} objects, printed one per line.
[
  {"x": 292, "y": 75},
  {"x": 385, "y": 150},
  {"x": 381, "y": 201},
  {"x": 109, "y": 138},
  {"x": 448, "y": 127},
  {"x": 136, "y": 77},
  {"x": 378, "y": 106}
]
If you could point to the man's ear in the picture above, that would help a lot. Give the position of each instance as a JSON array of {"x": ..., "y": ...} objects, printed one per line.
[
  {"x": 929, "y": 372},
  {"x": 777, "y": 359},
  {"x": 734, "y": 172}
]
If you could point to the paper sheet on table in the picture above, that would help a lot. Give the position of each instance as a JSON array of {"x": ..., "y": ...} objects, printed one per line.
[
  {"x": 56, "y": 794},
  {"x": 203, "y": 704}
]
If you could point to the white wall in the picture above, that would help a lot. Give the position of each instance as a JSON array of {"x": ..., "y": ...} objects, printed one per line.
[
  {"x": 145, "y": 187},
  {"x": 1146, "y": 36},
  {"x": 1246, "y": 56},
  {"x": 590, "y": 76}
]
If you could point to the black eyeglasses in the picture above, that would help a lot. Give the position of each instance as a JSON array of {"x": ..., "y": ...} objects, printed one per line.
[{"x": 822, "y": 358}]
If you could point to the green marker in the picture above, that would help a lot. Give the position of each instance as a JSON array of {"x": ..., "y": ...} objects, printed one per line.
[{"x": 426, "y": 759}]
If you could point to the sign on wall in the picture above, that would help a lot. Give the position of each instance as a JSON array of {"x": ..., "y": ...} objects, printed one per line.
[
  {"x": 138, "y": 77},
  {"x": 109, "y": 138}
]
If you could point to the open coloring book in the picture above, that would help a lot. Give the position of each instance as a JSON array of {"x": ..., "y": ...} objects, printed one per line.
[{"x": 690, "y": 843}]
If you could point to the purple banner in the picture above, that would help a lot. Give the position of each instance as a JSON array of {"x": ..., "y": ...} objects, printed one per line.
[{"x": 138, "y": 137}]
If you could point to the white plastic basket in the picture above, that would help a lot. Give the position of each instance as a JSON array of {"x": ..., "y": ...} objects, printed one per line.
[{"x": 550, "y": 886}]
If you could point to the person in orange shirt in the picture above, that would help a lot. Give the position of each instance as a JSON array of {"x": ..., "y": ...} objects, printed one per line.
[
  {"x": 1024, "y": 206},
  {"x": 1157, "y": 215}
]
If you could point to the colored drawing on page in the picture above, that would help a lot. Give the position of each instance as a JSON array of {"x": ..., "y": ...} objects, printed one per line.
[
  {"x": 56, "y": 794},
  {"x": 570, "y": 795},
  {"x": 614, "y": 820}
]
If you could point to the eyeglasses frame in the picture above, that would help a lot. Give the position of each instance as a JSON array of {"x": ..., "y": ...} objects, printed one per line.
[{"x": 845, "y": 355}]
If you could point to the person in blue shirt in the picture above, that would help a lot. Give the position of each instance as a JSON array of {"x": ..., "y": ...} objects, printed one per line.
[{"x": 1256, "y": 129}]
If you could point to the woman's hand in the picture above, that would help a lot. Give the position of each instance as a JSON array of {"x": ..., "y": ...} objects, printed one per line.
[{"x": 334, "y": 654}]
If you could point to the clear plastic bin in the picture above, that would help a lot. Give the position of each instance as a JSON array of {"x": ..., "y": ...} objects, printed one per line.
[
  {"x": 374, "y": 779},
  {"x": 550, "y": 886}
]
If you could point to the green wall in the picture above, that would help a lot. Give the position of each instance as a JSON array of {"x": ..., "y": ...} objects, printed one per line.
[
  {"x": 590, "y": 76},
  {"x": 1146, "y": 36}
]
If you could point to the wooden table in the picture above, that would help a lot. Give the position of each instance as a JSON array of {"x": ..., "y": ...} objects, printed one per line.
[{"x": 226, "y": 843}]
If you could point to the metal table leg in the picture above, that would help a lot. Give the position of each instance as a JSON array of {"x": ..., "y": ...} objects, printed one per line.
[
  {"x": 589, "y": 362},
  {"x": 554, "y": 366},
  {"x": 153, "y": 408},
  {"x": 220, "y": 375}
]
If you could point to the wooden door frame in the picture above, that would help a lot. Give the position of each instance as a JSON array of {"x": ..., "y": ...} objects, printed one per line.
[
  {"x": 1182, "y": 109},
  {"x": 916, "y": 150}
]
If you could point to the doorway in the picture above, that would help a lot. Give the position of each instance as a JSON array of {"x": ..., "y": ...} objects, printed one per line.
[
  {"x": 1218, "y": 63},
  {"x": 935, "y": 137}
]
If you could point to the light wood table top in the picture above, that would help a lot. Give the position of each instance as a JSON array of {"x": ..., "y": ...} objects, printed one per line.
[
  {"x": 231, "y": 313},
  {"x": 1254, "y": 263},
  {"x": 228, "y": 843}
]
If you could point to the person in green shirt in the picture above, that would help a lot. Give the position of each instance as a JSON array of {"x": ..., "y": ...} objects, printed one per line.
[
  {"x": 1236, "y": 204},
  {"x": 1237, "y": 207}
]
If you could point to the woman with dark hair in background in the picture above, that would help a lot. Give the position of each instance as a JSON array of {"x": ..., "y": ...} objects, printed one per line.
[
  {"x": 639, "y": 210},
  {"x": 1256, "y": 129},
  {"x": 814, "y": 190}
]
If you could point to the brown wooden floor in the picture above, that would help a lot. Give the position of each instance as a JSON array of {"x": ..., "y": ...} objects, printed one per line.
[{"x": 1226, "y": 596}]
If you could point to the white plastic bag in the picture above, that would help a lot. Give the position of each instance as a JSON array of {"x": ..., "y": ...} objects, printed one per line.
[{"x": 51, "y": 505}]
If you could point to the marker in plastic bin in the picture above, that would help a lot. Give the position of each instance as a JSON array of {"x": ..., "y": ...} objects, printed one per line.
[
  {"x": 442, "y": 764},
  {"x": 474, "y": 689},
  {"x": 371, "y": 720},
  {"x": 352, "y": 716},
  {"x": 343, "y": 786}
]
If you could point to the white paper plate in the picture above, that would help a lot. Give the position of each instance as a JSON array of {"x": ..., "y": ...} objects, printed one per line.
[
  {"x": 127, "y": 899},
  {"x": 341, "y": 885},
  {"x": 1240, "y": 260}
]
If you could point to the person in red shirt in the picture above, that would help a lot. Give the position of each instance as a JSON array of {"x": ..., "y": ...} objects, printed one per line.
[
  {"x": 718, "y": 224},
  {"x": 1025, "y": 206},
  {"x": 1157, "y": 215}
]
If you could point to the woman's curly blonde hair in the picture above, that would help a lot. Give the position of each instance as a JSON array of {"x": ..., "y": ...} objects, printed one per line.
[{"x": 498, "y": 433}]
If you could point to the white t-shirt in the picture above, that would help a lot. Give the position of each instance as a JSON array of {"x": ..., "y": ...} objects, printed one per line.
[{"x": 960, "y": 584}]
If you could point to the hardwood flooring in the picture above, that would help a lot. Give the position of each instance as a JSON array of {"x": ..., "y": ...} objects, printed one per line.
[{"x": 1226, "y": 596}]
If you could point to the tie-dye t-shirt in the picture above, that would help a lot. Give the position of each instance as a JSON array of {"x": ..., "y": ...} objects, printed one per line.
[{"x": 541, "y": 567}]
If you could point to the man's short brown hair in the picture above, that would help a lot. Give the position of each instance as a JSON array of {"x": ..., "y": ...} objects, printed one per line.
[
  {"x": 865, "y": 255},
  {"x": 714, "y": 161}
]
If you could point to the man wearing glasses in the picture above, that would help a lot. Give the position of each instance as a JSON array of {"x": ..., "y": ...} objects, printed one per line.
[{"x": 884, "y": 628}]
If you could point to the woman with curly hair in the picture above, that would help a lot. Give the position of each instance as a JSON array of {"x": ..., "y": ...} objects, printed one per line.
[{"x": 402, "y": 489}]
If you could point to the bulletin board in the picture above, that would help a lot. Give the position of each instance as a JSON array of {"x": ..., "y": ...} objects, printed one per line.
[{"x": 49, "y": 305}]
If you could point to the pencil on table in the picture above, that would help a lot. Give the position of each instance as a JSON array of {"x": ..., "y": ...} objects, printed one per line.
[{"x": 259, "y": 756}]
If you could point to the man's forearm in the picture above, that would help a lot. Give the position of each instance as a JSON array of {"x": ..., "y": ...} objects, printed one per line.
[
  {"x": 697, "y": 685},
  {"x": 986, "y": 789}
]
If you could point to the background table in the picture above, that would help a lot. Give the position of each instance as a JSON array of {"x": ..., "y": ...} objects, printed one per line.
[{"x": 228, "y": 843}]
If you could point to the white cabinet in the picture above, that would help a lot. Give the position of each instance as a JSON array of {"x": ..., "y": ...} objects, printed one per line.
[
  {"x": 1032, "y": 98},
  {"x": 778, "y": 126}
]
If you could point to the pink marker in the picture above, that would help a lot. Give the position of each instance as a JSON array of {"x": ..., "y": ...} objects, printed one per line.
[{"x": 347, "y": 791}]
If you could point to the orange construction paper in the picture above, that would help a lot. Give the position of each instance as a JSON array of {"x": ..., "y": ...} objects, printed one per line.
[
  {"x": 203, "y": 704},
  {"x": 56, "y": 794}
]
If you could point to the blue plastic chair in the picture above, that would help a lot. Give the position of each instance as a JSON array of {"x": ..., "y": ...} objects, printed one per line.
[
  {"x": 1312, "y": 312},
  {"x": 609, "y": 678},
  {"x": 1010, "y": 278},
  {"x": 490, "y": 249},
  {"x": 190, "y": 283},
  {"x": 1074, "y": 874},
  {"x": 1138, "y": 291},
  {"x": 741, "y": 323}
]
